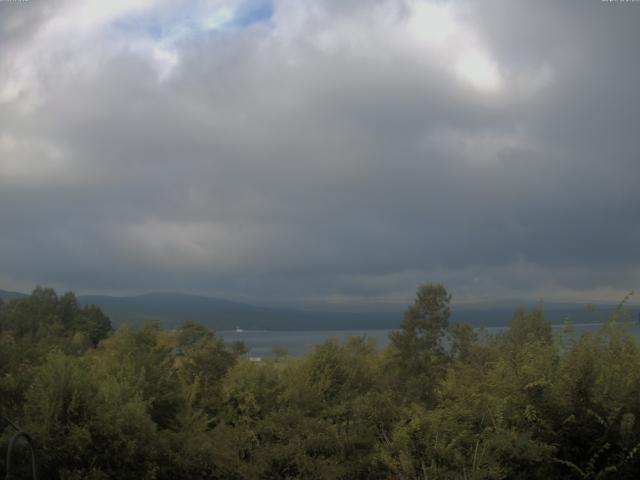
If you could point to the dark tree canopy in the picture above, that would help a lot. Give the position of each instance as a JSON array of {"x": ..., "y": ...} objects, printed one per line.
[
  {"x": 148, "y": 403},
  {"x": 418, "y": 344},
  {"x": 44, "y": 315},
  {"x": 425, "y": 322}
]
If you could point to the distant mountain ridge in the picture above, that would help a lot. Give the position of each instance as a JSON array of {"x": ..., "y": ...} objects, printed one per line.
[
  {"x": 171, "y": 309},
  {"x": 7, "y": 295}
]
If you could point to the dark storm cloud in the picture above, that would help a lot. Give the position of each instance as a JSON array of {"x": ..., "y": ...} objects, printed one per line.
[{"x": 331, "y": 151}]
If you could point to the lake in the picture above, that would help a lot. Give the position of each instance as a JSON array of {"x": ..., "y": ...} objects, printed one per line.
[{"x": 297, "y": 343}]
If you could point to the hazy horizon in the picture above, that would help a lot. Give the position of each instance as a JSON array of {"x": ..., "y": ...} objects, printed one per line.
[{"x": 476, "y": 305}]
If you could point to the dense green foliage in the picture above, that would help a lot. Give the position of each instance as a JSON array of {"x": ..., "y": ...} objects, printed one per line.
[{"x": 437, "y": 403}]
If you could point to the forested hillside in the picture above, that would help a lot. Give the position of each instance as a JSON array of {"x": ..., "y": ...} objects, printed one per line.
[{"x": 147, "y": 403}]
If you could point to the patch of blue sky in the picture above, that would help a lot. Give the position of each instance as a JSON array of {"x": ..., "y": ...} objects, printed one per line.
[
  {"x": 250, "y": 13},
  {"x": 157, "y": 28},
  {"x": 163, "y": 28}
]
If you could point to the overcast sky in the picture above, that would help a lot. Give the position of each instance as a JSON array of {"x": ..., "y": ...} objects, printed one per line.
[{"x": 321, "y": 150}]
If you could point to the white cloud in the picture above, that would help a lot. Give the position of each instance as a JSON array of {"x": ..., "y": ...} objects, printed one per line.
[
  {"x": 476, "y": 68},
  {"x": 88, "y": 16},
  {"x": 33, "y": 161},
  {"x": 439, "y": 32},
  {"x": 217, "y": 19},
  {"x": 196, "y": 246}
]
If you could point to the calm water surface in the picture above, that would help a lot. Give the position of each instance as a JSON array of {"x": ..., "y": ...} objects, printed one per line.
[{"x": 262, "y": 342}]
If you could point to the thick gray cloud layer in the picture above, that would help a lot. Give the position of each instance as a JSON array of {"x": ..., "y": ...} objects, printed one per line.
[{"x": 325, "y": 150}]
